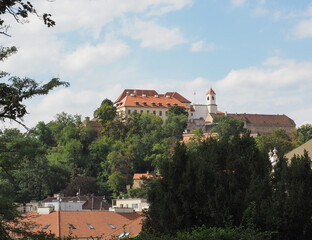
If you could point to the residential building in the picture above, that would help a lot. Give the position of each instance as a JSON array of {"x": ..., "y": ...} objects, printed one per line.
[
  {"x": 84, "y": 224},
  {"x": 131, "y": 204},
  {"x": 138, "y": 178},
  {"x": 76, "y": 203}
]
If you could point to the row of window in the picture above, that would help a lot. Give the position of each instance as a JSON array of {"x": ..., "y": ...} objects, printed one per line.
[
  {"x": 70, "y": 225},
  {"x": 160, "y": 113},
  {"x": 154, "y": 104}
]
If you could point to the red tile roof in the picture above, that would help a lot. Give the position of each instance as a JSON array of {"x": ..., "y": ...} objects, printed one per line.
[
  {"x": 210, "y": 91},
  {"x": 150, "y": 101},
  {"x": 138, "y": 93},
  {"x": 262, "y": 119},
  {"x": 59, "y": 223},
  {"x": 138, "y": 176},
  {"x": 177, "y": 96}
]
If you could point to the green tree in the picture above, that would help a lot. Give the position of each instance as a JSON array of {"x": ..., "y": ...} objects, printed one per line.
[
  {"x": 212, "y": 185},
  {"x": 278, "y": 139},
  {"x": 106, "y": 112},
  {"x": 291, "y": 206},
  {"x": 226, "y": 126},
  {"x": 304, "y": 134},
  {"x": 176, "y": 122}
]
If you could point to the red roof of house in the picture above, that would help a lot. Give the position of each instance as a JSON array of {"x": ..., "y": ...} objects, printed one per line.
[
  {"x": 210, "y": 91},
  {"x": 138, "y": 176},
  {"x": 150, "y": 101},
  {"x": 262, "y": 119},
  {"x": 100, "y": 221},
  {"x": 177, "y": 96},
  {"x": 138, "y": 93}
]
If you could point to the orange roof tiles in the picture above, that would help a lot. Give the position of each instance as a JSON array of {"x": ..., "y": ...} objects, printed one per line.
[
  {"x": 150, "y": 101},
  {"x": 177, "y": 96},
  {"x": 210, "y": 91},
  {"x": 138, "y": 93},
  {"x": 262, "y": 119},
  {"x": 138, "y": 176},
  {"x": 59, "y": 223}
]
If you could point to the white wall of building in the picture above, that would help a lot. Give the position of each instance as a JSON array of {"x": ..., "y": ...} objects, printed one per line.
[{"x": 65, "y": 206}]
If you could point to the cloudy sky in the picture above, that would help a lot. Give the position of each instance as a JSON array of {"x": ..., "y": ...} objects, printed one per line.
[{"x": 255, "y": 54}]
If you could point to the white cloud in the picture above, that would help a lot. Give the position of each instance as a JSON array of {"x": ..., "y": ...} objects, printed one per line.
[
  {"x": 89, "y": 56},
  {"x": 279, "y": 86},
  {"x": 302, "y": 30},
  {"x": 68, "y": 100},
  {"x": 202, "y": 46},
  {"x": 152, "y": 35},
  {"x": 238, "y": 3},
  {"x": 93, "y": 14}
]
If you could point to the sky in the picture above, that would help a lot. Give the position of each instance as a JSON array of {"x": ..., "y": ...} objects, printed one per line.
[{"x": 255, "y": 54}]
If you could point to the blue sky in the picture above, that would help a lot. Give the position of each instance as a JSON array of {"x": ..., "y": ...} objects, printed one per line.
[{"x": 256, "y": 54}]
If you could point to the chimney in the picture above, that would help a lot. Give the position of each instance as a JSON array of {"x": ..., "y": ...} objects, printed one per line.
[
  {"x": 147, "y": 172},
  {"x": 87, "y": 119}
]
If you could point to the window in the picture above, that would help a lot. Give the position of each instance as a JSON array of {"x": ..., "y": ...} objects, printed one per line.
[
  {"x": 137, "y": 103},
  {"x": 166, "y": 113},
  {"x": 160, "y": 113},
  {"x": 168, "y": 104},
  {"x": 212, "y": 97},
  {"x": 32, "y": 227},
  {"x": 154, "y": 104},
  {"x": 90, "y": 226},
  {"x": 144, "y": 103},
  {"x": 160, "y": 104},
  {"x": 208, "y": 98},
  {"x": 111, "y": 226},
  {"x": 124, "y": 234},
  {"x": 46, "y": 227},
  {"x": 141, "y": 111},
  {"x": 191, "y": 114},
  {"x": 175, "y": 104},
  {"x": 147, "y": 111},
  {"x": 154, "y": 112},
  {"x": 71, "y": 226},
  {"x": 19, "y": 226},
  {"x": 129, "y": 111},
  {"x": 135, "y": 111},
  {"x": 135, "y": 206}
]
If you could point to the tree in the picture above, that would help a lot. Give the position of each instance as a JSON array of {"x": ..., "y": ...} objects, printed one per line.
[
  {"x": 12, "y": 97},
  {"x": 20, "y": 10},
  {"x": 304, "y": 134},
  {"x": 278, "y": 139},
  {"x": 291, "y": 204},
  {"x": 212, "y": 184},
  {"x": 226, "y": 126},
  {"x": 106, "y": 112},
  {"x": 176, "y": 122}
]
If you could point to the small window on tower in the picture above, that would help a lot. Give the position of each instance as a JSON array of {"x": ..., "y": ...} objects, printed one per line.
[
  {"x": 212, "y": 97},
  {"x": 208, "y": 98}
]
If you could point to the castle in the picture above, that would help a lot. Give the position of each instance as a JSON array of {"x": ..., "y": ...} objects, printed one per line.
[{"x": 199, "y": 115}]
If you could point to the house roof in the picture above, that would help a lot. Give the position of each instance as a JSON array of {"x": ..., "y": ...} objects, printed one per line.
[
  {"x": 138, "y": 176},
  {"x": 91, "y": 202},
  {"x": 300, "y": 150},
  {"x": 100, "y": 221},
  {"x": 177, "y": 96},
  {"x": 262, "y": 119},
  {"x": 150, "y": 101},
  {"x": 210, "y": 91},
  {"x": 139, "y": 92}
]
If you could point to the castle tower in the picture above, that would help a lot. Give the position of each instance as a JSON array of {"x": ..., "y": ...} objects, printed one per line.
[{"x": 211, "y": 101}]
